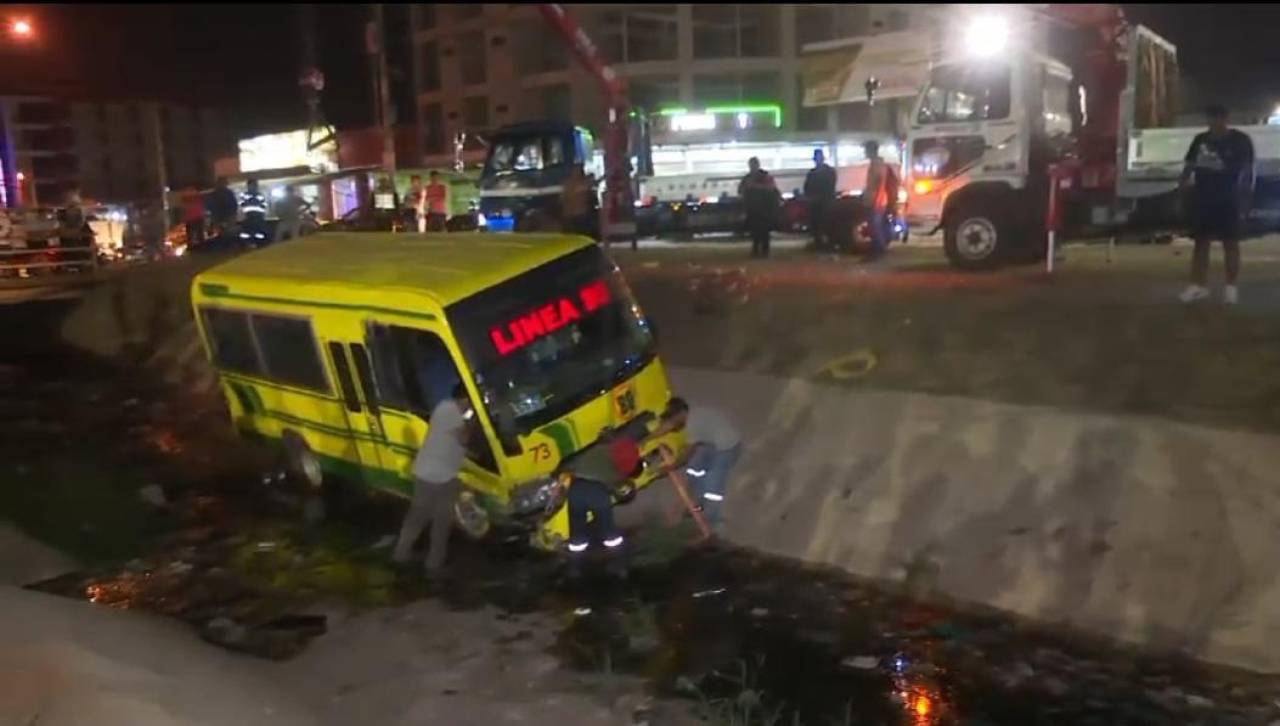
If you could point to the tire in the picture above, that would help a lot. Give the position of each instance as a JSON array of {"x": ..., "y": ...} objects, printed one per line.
[
  {"x": 470, "y": 517},
  {"x": 978, "y": 235},
  {"x": 303, "y": 464},
  {"x": 842, "y": 222},
  {"x": 303, "y": 467}
]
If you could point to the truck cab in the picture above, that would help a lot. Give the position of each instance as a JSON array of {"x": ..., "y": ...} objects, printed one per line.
[
  {"x": 982, "y": 134},
  {"x": 525, "y": 170},
  {"x": 1035, "y": 99}
]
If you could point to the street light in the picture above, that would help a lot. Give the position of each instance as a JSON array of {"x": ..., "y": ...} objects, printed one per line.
[
  {"x": 21, "y": 28},
  {"x": 987, "y": 35}
]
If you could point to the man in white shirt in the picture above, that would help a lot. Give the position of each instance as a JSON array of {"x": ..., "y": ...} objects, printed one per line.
[
  {"x": 713, "y": 449},
  {"x": 435, "y": 480}
]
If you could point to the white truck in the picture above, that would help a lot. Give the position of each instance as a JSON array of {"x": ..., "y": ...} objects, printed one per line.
[{"x": 1064, "y": 98}]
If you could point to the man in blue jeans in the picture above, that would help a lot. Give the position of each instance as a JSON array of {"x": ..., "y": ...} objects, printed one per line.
[
  {"x": 713, "y": 449},
  {"x": 879, "y": 197}
]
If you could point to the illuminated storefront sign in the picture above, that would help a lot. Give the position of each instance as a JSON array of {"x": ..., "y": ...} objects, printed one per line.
[
  {"x": 549, "y": 318},
  {"x": 286, "y": 151},
  {"x": 693, "y": 121},
  {"x": 740, "y": 117}
]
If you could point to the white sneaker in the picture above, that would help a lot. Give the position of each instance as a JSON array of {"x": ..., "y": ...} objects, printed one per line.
[
  {"x": 1231, "y": 295},
  {"x": 1194, "y": 293}
]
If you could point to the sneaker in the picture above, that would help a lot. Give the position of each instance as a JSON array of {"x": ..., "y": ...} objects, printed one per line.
[
  {"x": 1231, "y": 295},
  {"x": 1194, "y": 293}
]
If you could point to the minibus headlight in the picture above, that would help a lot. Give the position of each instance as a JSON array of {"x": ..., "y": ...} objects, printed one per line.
[{"x": 541, "y": 494}]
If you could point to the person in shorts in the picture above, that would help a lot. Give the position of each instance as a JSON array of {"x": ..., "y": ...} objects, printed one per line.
[{"x": 1219, "y": 174}]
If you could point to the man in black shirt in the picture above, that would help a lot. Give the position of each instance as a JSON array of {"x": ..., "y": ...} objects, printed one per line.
[
  {"x": 819, "y": 193},
  {"x": 1221, "y": 162}
]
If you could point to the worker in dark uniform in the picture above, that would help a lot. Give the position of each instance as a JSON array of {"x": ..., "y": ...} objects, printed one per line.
[
  {"x": 221, "y": 204},
  {"x": 595, "y": 475},
  {"x": 760, "y": 197},
  {"x": 819, "y": 193},
  {"x": 253, "y": 211},
  {"x": 1219, "y": 167}
]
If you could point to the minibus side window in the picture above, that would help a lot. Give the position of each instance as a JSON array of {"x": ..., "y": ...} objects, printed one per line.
[
  {"x": 413, "y": 368},
  {"x": 361, "y": 359},
  {"x": 289, "y": 351},
  {"x": 347, "y": 385},
  {"x": 231, "y": 341},
  {"x": 416, "y": 367}
]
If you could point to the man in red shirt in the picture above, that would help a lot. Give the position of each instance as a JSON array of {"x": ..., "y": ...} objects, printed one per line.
[
  {"x": 193, "y": 215},
  {"x": 437, "y": 202}
]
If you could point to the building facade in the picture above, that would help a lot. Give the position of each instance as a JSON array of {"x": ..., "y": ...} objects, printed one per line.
[
  {"x": 480, "y": 66},
  {"x": 112, "y": 151}
]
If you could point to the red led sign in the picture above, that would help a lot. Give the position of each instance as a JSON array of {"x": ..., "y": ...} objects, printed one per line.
[{"x": 549, "y": 318}]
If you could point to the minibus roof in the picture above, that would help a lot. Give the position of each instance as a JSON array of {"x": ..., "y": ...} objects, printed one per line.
[{"x": 448, "y": 266}]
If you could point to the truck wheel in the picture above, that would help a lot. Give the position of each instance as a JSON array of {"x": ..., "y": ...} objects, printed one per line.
[{"x": 977, "y": 236}]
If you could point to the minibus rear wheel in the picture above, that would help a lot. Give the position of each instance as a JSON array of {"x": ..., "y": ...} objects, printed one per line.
[{"x": 304, "y": 467}]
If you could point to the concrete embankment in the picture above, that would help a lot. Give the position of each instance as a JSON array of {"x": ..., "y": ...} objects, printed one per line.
[{"x": 1155, "y": 532}]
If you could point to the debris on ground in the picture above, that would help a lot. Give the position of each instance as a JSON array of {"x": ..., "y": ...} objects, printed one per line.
[
  {"x": 153, "y": 494},
  {"x": 861, "y": 662},
  {"x": 277, "y": 639}
]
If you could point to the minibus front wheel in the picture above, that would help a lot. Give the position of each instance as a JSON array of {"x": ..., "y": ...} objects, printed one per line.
[{"x": 471, "y": 516}]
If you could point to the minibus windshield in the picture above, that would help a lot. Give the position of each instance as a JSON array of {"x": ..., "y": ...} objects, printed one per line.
[{"x": 548, "y": 341}]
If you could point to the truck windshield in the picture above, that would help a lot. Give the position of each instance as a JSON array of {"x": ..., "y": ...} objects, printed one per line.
[
  {"x": 544, "y": 343},
  {"x": 966, "y": 93},
  {"x": 526, "y": 153}
]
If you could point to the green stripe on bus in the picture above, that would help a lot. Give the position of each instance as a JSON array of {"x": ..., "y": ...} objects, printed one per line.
[
  {"x": 221, "y": 291},
  {"x": 340, "y": 432},
  {"x": 565, "y": 436}
]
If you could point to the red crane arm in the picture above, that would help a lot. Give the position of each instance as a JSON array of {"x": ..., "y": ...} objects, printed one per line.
[
  {"x": 614, "y": 85},
  {"x": 1102, "y": 71},
  {"x": 617, "y": 198}
]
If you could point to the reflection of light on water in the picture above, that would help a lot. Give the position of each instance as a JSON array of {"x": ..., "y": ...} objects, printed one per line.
[
  {"x": 165, "y": 441},
  {"x": 124, "y": 592},
  {"x": 923, "y": 706},
  {"x": 920, "y": 697}
]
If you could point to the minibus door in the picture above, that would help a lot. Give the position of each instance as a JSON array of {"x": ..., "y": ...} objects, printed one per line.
[{"x": 360, "y": 399}]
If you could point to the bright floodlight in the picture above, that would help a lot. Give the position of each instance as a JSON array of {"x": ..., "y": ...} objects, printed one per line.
[
  {"x": 21, "y": 28},
  {"x": 987, "y": 35}
]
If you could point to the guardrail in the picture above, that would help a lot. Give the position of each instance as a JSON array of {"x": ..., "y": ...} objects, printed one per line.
[{"x": 22, "y": 260}]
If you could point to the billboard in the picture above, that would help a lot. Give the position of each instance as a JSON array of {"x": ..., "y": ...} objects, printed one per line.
[
  {"x": 837, "y": 72},
  {"x": 287, "y": 150}
]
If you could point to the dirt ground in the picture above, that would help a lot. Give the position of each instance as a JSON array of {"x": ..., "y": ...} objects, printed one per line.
[{"x": 1097, "y": 334}]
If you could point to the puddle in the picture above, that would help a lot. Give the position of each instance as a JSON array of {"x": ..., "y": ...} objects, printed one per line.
[{"x": 748, "y": 639}]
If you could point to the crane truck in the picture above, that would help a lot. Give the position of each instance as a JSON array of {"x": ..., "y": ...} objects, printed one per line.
[
  {"x": 527, "y": 163},
  {"x": 1053, "y": 118}
]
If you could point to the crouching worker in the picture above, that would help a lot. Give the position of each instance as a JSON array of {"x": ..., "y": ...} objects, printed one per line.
[
  {"x": 713, "y": 447},
  {"x": 594, "y": 477}
]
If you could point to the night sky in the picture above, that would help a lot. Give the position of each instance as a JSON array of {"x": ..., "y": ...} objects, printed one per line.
[{"x": 246, "y": 57}]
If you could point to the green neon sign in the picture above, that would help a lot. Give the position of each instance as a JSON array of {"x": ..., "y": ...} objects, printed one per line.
[{"x": 771, "y": 108}]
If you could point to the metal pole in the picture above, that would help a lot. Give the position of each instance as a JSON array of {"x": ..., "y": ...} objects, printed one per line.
[
  {"x": 161, "y": 173},
  {"x": 385, "y": 111}
]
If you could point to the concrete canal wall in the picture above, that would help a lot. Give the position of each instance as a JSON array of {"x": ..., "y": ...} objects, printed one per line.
[{"x": 1154, "y": 532}]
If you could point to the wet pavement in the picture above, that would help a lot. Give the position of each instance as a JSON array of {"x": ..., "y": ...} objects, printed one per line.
[{"x": 171, "y": 515}]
